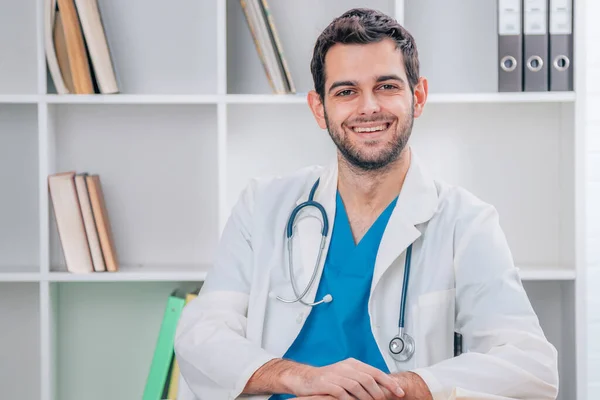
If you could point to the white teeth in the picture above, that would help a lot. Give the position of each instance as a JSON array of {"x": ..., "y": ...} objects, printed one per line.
[{"x": 373, "y": 129}]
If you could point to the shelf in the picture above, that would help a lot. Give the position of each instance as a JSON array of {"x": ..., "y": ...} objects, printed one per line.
[
  {"x": 131, "y": 99},
  {"x": 20, "y": 277},
  {"x": 299, "y": 98},
  {"x": 531, "y": 190},
  {"x": 19, "y": 98},
  {"x": 133, "y": 273},
  {"x": 180, "y": 59},
  {"x": 155, "y": 164},
  {"x": 546, "y": 273},
  {"x": 197, "y": 273},
  {"x": 517, "y": 97}
]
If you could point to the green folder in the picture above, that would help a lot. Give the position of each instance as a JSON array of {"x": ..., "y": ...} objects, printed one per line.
[{"x": 164, "y": 350}]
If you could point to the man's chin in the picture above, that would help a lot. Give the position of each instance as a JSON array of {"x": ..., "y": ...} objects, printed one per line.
[{"x": 369, "y": 164}]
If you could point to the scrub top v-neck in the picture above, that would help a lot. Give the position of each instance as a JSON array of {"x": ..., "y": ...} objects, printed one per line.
[{"x": 341, "y": 329}]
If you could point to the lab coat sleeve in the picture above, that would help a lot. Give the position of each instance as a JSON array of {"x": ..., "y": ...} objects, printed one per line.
[
  {"x": 507, "y": 354},
  {"x": 214, "y": 357}
]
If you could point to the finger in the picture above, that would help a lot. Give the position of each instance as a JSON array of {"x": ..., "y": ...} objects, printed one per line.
[
  {"x": 367, "y": 382},
  {"x": 389, "y": 395},
  {"x": 317, "y": 397},
  {"x": 353, "y": 387},
  {"x": 380, "y": 377},
  {"x": 336, "y": 390}
]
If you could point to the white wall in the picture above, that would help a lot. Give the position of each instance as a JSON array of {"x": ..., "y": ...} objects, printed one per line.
[{"x": 592, "y": 124}]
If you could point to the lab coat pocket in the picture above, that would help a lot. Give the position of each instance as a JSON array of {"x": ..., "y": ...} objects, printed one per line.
[{"x": 435, "y": 328}]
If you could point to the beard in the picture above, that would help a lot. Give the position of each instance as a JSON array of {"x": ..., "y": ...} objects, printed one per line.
[{"x": 371, "y": 161}]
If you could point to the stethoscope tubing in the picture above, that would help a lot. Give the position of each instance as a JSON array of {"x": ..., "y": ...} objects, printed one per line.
[
  {"x": 406, "y": 340},
  {"x": 405, "y": 286}
]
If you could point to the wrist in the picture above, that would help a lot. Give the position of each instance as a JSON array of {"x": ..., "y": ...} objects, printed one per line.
[
  {"x": 420, "y": 386},
  {"x": 278, "y": 376},
  {"x": 265, "y": 380},
  {"x": 295, "y": 377},
  {"x": 413, "y": 385}
]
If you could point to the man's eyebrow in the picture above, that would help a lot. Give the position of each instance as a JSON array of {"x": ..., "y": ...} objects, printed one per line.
[
  {"x": 342, "y": 83},
  {"x": 392, "y": 77}
]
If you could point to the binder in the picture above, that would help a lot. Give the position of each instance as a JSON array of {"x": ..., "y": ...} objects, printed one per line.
[
  {"x": 158, "y": 375},
  {"x": 561, "y": 45},
  {"x": 535, "y": 45},
  {"x": 510, "y": 46}
]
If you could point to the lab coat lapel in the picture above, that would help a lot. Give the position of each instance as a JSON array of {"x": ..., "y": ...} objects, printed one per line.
[
  {"x": 416, "y": 204},
  {"x": 307, "y": 230}
]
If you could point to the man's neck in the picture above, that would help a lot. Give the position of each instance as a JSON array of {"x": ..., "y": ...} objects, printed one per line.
[{"x": 367, "y": 193}]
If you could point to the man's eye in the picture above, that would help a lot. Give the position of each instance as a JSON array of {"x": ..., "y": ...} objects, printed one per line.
[
  {"x": 345, "y": 92},
  {"x": 388, "y": 86}
]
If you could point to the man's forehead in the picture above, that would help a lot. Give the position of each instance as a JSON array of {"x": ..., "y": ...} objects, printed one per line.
[
  {"x": 353, "y": 67},
  {"x": 363, "y": 62}
]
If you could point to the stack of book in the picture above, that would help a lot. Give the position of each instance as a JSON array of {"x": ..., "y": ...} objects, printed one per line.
[
  {"x": 82, "y": 221},
  {"x": 262, "y": 28},
  {"x": 77, "y": 51}
]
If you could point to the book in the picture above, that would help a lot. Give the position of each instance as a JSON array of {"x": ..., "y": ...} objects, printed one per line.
[
  {"x": 102, "y": 221},
  {"x": 69, "y": 221},
  {"x": 175, "y": 375},
  {"x": 268, "y": 46},
  {"x": 51, "y": 20},
  {"x": 278, "y": 48},
  {"x": 78, "y": 60},
  {"x": 97, "y": 45},
  {"x": 89, "y": 222},
  {"x": 158, "y": 375}
]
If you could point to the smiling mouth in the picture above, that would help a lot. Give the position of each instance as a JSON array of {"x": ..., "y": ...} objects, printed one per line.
[{"x": 370, "y": 129}]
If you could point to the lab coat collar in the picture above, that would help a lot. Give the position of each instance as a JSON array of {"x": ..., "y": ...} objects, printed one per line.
[{"x": 417, "y": 202}]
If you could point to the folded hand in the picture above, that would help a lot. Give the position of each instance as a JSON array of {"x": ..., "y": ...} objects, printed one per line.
[{"x": 347, "y": 380}]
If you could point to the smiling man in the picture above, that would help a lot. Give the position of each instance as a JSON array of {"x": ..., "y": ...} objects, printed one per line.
[{"x": 349, "y": 281}]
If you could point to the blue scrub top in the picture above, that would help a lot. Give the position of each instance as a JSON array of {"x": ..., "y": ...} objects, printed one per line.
[{"x": 341, "y": 329}]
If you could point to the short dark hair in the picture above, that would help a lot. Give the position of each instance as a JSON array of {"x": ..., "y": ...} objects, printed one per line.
[{"x": 363, "y": 26}]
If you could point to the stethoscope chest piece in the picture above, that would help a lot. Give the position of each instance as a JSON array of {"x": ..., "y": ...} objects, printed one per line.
[{"x": 402, "y": 347}]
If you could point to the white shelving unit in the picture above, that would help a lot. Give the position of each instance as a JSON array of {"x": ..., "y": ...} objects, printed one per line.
[{"x": 195, "y": 120}]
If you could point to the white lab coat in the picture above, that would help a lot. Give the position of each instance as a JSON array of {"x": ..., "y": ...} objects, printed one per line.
[{"x": 462, "y": 278}]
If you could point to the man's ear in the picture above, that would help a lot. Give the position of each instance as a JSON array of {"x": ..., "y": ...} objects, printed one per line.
[
  {"x": 420, "y": 96},
  {"x": 317, "y": 108}
]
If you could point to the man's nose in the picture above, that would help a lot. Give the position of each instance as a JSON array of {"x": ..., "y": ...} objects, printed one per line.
[{"x": 369, "y": 104}]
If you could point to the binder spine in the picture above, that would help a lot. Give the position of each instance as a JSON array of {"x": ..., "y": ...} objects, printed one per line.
[
  {"x": 510, "y": 46},
  {"x": 561, "y": 45},
  {"x": 535, "y": 46}
]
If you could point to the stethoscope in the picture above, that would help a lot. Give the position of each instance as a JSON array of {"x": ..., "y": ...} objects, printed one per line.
[{"x": 401, "y": 346}]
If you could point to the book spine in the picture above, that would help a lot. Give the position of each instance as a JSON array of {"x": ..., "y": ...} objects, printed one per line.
[
  {"x": 95, "y": 37},
  {"x": 76, "y": 48},
  {"x": 254, "y": 34},
  {"x": 290, "y": 87}
]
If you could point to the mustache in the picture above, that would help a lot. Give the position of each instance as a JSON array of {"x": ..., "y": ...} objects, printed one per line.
[{"x": 363, "y": 120}]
